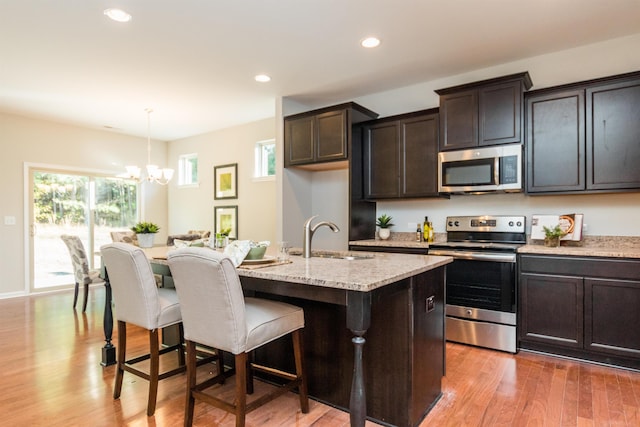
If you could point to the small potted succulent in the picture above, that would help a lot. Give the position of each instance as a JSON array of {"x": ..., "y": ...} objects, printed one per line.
[
  {"x": 553, "y": 235},
  {"x": 384, "y": 222},
  {"x": 146, "y": 232}
]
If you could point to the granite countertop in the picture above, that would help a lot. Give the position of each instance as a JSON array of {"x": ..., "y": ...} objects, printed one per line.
[
  {"x": 591, "y": 246},
  {"x": 376, "y": 270}
]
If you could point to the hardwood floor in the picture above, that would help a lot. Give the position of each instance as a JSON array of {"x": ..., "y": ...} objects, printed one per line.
[{"x": 51, "y": 375}]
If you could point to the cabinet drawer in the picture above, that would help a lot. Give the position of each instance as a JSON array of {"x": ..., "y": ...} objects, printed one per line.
[{"x": 625, "y": 269}]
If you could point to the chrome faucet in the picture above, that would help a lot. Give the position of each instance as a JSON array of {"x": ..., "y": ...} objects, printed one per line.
[{"x": 308, "y": 234}]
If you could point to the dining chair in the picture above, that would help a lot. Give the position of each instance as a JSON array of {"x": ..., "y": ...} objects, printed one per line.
[
  {"x": 82, "y": 274},
  {"x": 215, "y": 313},
  {"x": 127, "y": 236},
  {"x": 140, "y": 302},
  {"x": 186, "y": 237}
]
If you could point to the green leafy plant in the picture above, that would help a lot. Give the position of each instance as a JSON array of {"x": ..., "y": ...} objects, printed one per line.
[
  {"x": 384, "y": 221},
  {"x": 225, "y": 231},
  {"x": 145, "y": 228},
  {"x": 553, "y": 233}
]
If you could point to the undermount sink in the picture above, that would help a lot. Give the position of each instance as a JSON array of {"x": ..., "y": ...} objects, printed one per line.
[
  {"x": 334, "y": 255},
  {"x": 347, "y": 257}
]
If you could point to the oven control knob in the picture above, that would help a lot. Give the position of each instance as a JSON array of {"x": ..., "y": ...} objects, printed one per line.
[
  {"x": 510, "y": 223},
  {"x": 519, "y": 223},
  {"x": 457, "y": 223},
  {"x": 450, "y": 223},
  {"x": 469, "y": 312}
]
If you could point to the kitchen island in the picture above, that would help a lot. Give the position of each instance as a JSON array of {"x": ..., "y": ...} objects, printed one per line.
[
  {"x": 392, "y": 302},
  {"x": 374, "y": 329}
]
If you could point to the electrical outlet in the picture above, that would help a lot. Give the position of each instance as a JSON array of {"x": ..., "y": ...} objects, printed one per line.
[
  {"x": 9, "y": 220},
  {"x": 585, "y": 228},
  {"x": 431, "y": 303}
]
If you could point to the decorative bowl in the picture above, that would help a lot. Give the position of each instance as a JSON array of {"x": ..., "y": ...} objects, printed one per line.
[{"x": 256, "y": 253}]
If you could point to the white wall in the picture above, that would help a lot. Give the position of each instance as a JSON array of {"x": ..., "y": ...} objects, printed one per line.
[
  {"x": 24, "y": 140},
  {"x": 193, "y": 208},
  {"x": 605, "y": 214}
]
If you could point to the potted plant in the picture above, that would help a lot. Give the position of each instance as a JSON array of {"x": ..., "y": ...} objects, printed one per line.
[
  {"x": 384, "y": 222},
  {"x": 222, "y": 238},
  {"x": 145, "y": 231},
  {"x": 553, "y": 235}
]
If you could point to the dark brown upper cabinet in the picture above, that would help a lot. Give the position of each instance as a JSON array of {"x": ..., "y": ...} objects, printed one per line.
[
  {"x": 584, "y": 137},
  {"x": 400, "y": 156},
  {"x": 555, "y": 141},
  {"x": 319, "y": 139},
  {"x": 488, "y": 112},
  {"x": 613, "y": 135}
]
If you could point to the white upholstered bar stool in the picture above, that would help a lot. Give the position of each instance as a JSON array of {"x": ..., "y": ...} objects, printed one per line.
[
  {"x": 215, "y": 313},
  {"x": 138, "y": 301}
]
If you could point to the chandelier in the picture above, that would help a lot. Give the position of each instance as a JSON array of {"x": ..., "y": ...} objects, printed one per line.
[{"x": 154, "y": 173}]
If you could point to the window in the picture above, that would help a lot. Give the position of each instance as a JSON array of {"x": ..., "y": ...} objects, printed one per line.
[
  {"x": 265, "y": 159},
  {"x": 188, "y": 170},
  {"x": 74, "y": 202}
]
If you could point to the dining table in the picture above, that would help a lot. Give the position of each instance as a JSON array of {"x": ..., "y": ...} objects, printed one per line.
[{"x": 355, "y": 287}]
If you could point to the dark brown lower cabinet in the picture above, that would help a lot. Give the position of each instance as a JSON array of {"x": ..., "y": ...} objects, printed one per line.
[
  {"x": 552, "y": 310},
  {"x": 581, "y": 307},
  {"x": 612, "y": 317}
]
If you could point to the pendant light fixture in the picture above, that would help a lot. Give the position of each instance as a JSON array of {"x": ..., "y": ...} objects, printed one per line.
[{"x": 154, "y": 173}]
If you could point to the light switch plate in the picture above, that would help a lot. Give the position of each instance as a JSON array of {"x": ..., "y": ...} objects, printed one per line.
[{"x": 9, "y": 220}]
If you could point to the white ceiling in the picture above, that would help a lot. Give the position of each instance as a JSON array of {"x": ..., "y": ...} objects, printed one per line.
[{"x": 193, "y": 61}]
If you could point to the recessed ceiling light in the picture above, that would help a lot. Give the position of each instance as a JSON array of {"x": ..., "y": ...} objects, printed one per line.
[
  {"x": 370, "y": 42},
  {"x": 118, "y": 15},
  {"x": 262, "y": 78}
]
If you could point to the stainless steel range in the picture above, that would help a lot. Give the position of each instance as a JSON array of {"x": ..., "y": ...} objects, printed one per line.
[{"x": 481, "y": 281}]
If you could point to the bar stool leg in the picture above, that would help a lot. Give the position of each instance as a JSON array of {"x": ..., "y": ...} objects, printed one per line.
[{"x": 154, "y": 370}]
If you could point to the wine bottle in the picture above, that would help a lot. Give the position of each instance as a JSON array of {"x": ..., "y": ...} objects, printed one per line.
[{"x": 425, "y": 229}]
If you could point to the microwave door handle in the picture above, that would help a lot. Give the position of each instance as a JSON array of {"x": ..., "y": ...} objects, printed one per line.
[{"x": 496, "y": 170}]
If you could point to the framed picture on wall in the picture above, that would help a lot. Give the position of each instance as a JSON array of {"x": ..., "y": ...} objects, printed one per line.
[
  {"x": 226, "y": 221},
  {"x": 225, "y": 181}
]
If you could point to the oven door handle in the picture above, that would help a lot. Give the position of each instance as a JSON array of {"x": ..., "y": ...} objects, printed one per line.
[{"x": 475, "y": 256}]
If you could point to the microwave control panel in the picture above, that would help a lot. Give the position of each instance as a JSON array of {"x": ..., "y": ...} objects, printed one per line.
[{"x": 509, "y": 170}]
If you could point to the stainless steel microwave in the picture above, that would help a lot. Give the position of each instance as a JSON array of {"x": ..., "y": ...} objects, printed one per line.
[{"x": 479, "y": 170}]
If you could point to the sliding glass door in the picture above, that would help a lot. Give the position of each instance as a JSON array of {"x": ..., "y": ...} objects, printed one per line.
[{"x": 67, "y": 202}]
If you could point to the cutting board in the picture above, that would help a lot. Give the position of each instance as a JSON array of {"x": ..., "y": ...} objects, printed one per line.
[{"x": 550, "y": 221}]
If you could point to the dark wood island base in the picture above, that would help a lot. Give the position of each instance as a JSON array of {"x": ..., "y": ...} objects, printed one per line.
[{"x": 396, "y": 332}]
